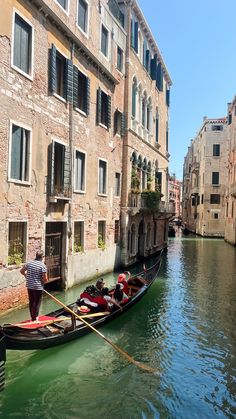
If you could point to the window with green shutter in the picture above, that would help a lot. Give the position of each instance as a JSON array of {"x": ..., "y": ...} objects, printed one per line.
[
  {"x": 20, "y": 154},
  {"x": 103, "y": 109},
  {"x": 59, "y": 170},
  {"x": 22, "y": 52}
]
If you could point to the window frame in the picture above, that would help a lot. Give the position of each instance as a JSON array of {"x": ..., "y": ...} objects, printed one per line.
[
  {"x": 82, "y": 234},
  {"x": 29, "y": 129},
  {"x": 85, "y": 33},
  {"x": 211, "y": 199},
  {"x": 81, "y": 191},
  {"x": 104, "y": 232},
  {"x": 24, "y": 221},
  {"x": 106, "y": 177},
  {"x": 107, "y": 57},
  {"x": 62, "y": 8},
  {"x": 57, "y": 95},
  {"x": 82, "y": 111},
  {"x": 117, "y": 185},
  {"x": 31, "y": 52},
  {"x": 212, "y": 178},
  {"x": 121, "y": 68},
  {"x": 214, "y": 148}
]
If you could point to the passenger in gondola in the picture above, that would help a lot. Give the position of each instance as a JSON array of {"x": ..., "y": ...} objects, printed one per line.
[
  {"x": 100, "y": 285},
  {"x": 119, "y": 294},
  {"x": 137, "y": 281},
  {"x": 93, "y": 298},
  {"x": 111, "y": 302}
]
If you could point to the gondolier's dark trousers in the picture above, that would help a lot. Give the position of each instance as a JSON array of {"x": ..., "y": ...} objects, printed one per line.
[{"x": 35, "y": 297}]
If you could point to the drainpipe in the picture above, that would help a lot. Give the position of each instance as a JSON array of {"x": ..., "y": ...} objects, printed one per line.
[{"x": 71, "y": 134}]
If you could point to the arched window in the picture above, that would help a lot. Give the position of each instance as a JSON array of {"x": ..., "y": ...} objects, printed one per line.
[
  {"x": 134, "y": 99},
  {"x": 157, "y": 126},
  {"x": 144, "y": 109},
  {"x": 149, "y": 114},
  {"x": 139, "y": 105}
]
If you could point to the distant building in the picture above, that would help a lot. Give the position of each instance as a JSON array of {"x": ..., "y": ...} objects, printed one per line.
[
  {"x": 175, "y": 195},
  {"x": 230, "y": 225},
  {"x": 205, "y": 179}
]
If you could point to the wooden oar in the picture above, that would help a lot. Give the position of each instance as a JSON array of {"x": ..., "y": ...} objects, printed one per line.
[{"x": 121, "y": 351}]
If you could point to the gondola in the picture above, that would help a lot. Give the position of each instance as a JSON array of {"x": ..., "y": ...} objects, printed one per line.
[{"x": 59, "y": 327}]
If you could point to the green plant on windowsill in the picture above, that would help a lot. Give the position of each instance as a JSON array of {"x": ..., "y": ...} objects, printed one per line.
[
  {"x": 135, "y": 180},
  {"x": 152, "y": 199},
  {"x": 78, "y": 248},
  {"x": 101, "y": 243},
  {"x": 15, "y": 252}
]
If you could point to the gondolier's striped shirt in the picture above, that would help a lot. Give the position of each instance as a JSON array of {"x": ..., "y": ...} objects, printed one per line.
[{"x": 34, "y": 274}]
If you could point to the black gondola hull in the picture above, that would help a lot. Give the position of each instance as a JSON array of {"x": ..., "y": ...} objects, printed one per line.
[{"x": 21, "y": 339}]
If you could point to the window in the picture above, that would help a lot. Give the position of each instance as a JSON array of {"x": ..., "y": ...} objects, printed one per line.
[
  {"x": 216, "y": 215},
  {"x": 16, "y": 242},
  {"x": 215, "y": 199},
  {"x": 63, "y": 3},
  {"x": 216, "y": 150},
  {"x": 59, "y": 170},
  {"x": 117, "y": 231},
  {"x": 119, "y": 123},
  {"x": 104, "y": 41},
  {"x": 157, "y": 127},
  {"x": 202, "y": 199},
  {"x": 117, "y": 184},
  {"x": 82, "y": 98},
  {"x": 102, "y": 177},
  {"x": 101, "y": 234},
  {"x": 78, "y": 236},
  {"x": 60, "y": 75},
  {"x": 103, "y": 108},
  {"x": 215, "y": 178},
  {"x": 83, "y": 15},
  {"x": 22, "y": 50},
  {"x": 79, "y": 171},
  {"x": 134, "y": 93},
  {"x": 20, "y": 154},
  {"x": 217, "y": 127},
  {"x": 134, "y": 35},
  {"x": 119, "y": 59}
]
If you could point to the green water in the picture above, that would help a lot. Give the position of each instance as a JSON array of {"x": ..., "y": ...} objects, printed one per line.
[{"x": 184, "y": 328}]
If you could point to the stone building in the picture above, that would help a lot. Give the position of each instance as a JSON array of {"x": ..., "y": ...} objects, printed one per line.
[
  {"x": 205, "y": 179},
  {"x": 230, "y": 224},
  {"x": 175, "y": 195},
  {"x": 84, "y": 107}
]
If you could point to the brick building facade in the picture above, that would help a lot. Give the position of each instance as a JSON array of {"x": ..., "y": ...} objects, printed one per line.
[{"x": 71, "y": 143}]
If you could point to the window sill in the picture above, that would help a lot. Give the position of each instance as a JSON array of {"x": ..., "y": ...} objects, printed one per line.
[
  {"x": 78, "y": 191},
  {"x": 103, "y": 126},
  {"x": 62, "y": 99},
  {"x": 19, "y": 182},
  {"x": 55, "y": 199},
  {"x": 26, "y": 75},
  {"x": 85, "y": 33},
  {"x": 103, "y": 195},
  {"x": 81, "y": 112}
]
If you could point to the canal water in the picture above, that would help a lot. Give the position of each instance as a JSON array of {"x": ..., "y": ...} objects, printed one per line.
[{"x": 184, "y": 328}]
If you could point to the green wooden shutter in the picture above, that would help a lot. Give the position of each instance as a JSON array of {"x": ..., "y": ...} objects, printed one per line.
[
  {"x": 123, "y": 124},
  {"x": 53, "y": 69},
  {"x": 159, "y": 79},
  {"x": 69, "y": 81},
  {"x": 75, "y": 86},
  {"x": 153, "y": 68},
  {"x": 167, "y": 96},
  {"x": 108, "y": 111},
  {"x": 147, "y": 62},
  {"x": 99, "y": 105},
  {"x": 51, "y": 164},
  {"x": 67, "y": 172},
  {"x": 136, "y": 36},
  {"x": 87, "y": 95}
]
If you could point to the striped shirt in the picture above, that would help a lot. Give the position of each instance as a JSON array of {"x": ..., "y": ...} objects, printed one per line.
[{"x": 34, "y": 274}]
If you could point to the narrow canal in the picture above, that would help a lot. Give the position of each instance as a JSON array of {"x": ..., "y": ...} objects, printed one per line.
[{"x": 184, "y": 328}]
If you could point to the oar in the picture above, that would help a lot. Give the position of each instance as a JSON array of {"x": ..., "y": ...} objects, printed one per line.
[{"x": 121, "y": 351}]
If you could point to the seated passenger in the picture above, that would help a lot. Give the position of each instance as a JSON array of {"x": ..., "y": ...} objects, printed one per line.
[
  {"x": 100, "y": 285},
  {"x": 111, "y": 302},
  {"x": 93, "y": 298},
  {"x": 119, "y": 294},
  {"x": 137, "y": 281}
]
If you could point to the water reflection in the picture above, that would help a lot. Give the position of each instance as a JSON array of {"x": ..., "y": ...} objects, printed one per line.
[{"x": 184, "y": 328}]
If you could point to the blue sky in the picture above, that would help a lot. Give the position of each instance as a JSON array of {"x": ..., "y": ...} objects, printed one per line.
[{"x": 197, "y": 40}]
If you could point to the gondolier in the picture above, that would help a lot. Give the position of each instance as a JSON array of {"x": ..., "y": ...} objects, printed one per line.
[{"x": 35, "y": 273}]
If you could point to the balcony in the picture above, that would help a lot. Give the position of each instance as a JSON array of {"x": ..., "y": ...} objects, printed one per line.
[
  {"x": 195, "y": 167},
  {"x": 59, "y": 194},
  {"x": 149, "y": 201}
]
